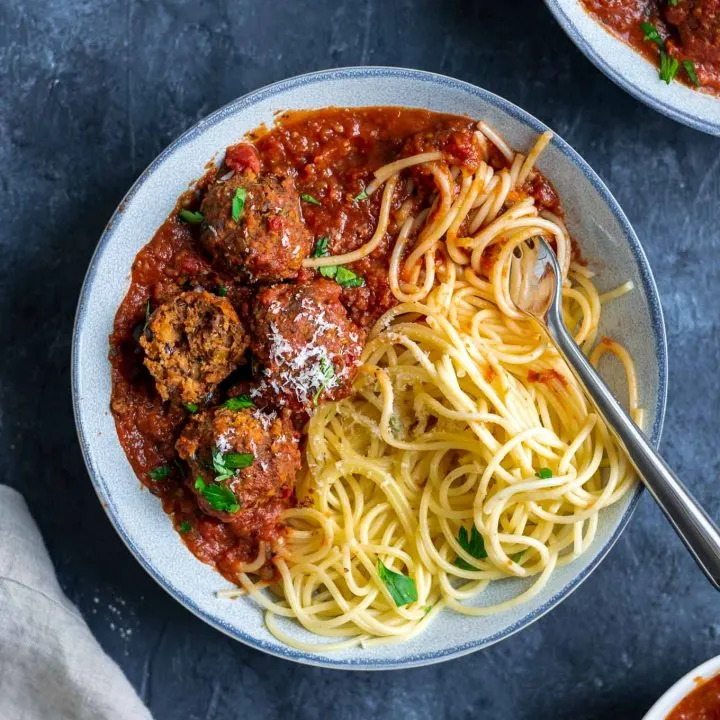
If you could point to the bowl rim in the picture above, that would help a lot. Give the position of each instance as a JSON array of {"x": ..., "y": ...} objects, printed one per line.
[
  {"x": 667, "y": 108},
  {"x": 681, "y": 688},
  {"x": 649, "y": 290}
]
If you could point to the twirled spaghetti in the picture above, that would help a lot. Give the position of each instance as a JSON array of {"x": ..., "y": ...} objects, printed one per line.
[{"x": 467, "y": 452}]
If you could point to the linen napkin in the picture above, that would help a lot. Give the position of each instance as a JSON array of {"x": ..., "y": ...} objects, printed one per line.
[{"x": 51, "y": 667}]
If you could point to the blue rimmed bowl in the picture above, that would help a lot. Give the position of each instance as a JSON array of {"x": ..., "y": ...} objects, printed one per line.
[
  {"x": 632, "y": 72},
  {"x": 593, "y": 216}
]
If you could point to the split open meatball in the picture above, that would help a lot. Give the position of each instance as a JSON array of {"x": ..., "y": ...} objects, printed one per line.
[
  {"x": 242, "y": 462},
  {"x": 254, "y": 229},
  {"x": 191, "y": 343},
  {"x": 307, "y": 347}
]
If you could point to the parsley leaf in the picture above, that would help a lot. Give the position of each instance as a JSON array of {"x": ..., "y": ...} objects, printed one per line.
[
  {"x": 190, "y": 407},
  {"x": 339, "y": 273},
  {"x": 517, "y": 556},
  {"x": 321, "y": 247},
  {"x": 238, "y": 461},
  {"x": 185, "y": 527},
  {"x": 241, "y": 402},
  {"x": 219, "y": 497},
  {"x": 544, "y": 473},
  {"x": 362, "y": 195},
  {"x": 328, "y": 372},
  {"x": 342, "y": 276},
  {"x": 473, "y": 546},
  {"x": 310, "y": 199},
  {"x": 668, "y": 67},
  {"x": 225, "y": 465},
  {"x": 222, "y": 291},
  {"x": 673, "y": 2},
  {"x": 652, "y": 35},
  {"x": 401, "y": 587},
  {"x": 347, "y": 278},
  {"x": 222, "y": 472},
  {"x": 190, "y": 217},
  {"x": 238, "y": 203},
  {"x": 159, "y": 473},
  {"x": 690, "y": 70}
]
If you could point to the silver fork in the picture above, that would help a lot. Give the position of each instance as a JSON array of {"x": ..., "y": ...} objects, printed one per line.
[{"x": 536, "y": 291}]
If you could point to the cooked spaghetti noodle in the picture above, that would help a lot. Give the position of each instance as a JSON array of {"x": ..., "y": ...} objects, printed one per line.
[{"x": 467, "y": 452}]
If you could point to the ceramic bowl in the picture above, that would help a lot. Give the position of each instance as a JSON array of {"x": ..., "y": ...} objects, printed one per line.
[
  {"x": 593, "y": 217},
  {"x": 633, "y": 73},
  {"x": 683, "y": 687}
]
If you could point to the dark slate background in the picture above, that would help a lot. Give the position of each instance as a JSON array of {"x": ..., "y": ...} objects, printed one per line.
[{"x": 91, "y": 91}]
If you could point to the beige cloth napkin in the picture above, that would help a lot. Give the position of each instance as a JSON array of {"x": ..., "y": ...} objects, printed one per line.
[{"x": 51, "y": 667}]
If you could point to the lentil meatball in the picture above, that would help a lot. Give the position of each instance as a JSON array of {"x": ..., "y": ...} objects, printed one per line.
[
  {"x": 268, "y": 241},
  {"x": 242, "y": 464},
  {"x": 191, "y": 343},
  {"x": 307, "y": 347}
]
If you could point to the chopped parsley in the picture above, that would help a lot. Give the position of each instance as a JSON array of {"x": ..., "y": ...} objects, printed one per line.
[
  {"x": 190, "y": 217},
  {"x": 222, "y": 291},
  {"x": 652, "y": 35},
  {"x": 328, "y": 372},
  {"x": 238, "y": 203},
  {"x": 159, "y": 473},
  {"x": 310, "y": 199},
  {"x": 347, "y": 278},
  {"x": 342, "y": 276},
  {"x": 321, "y": 247},
  {"x": 689, "y": 66},
  {"x": 190, "y": 407},
  {"x": 362, "y": 195},
  {"x": 220, "y": 497},
  {"x": 185, "y": 527},
  {"x": 673, "y": 2},
  {"x": 668, "y": 67},
  {"x": 401, "y": 587},
  {"x": 544, "y": 473},
  {"x": 241, "y": 402},
  {"x": 474, "y": 545},
  {"x": 225, "y": 465},
  {"x": 238, "y": 461},
  {"x": 517, "y": 556},
  {"x": 339, "y": 273}
]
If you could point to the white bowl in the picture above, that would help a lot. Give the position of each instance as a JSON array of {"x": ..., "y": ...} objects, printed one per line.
[
  {"x": 683, "y": 687},
  {"x": 592, "y": 215},
  {"x": 632, "y": 72}
]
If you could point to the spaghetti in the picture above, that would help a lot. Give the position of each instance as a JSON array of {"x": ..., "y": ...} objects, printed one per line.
[{"x": 467, "y": 452}]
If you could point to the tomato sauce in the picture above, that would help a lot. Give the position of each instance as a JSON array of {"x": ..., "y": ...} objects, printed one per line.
[
  {"x": 703, "y": 703},
  {"x": 690, "y": 31}
]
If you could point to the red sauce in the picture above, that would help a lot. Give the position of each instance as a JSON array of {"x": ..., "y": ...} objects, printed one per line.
[
  {"x": 331, "y": 154},
  {"x": 690, "y": 29},
  {"x": 546, "y": 376},
  {"x": 703, "y": 703}
]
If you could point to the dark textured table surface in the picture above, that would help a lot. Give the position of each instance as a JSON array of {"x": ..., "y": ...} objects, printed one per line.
[{"x": 91, "y": 91}]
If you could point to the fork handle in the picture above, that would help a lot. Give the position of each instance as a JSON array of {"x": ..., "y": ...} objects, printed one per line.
[{"x": 694, "y": 526}]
